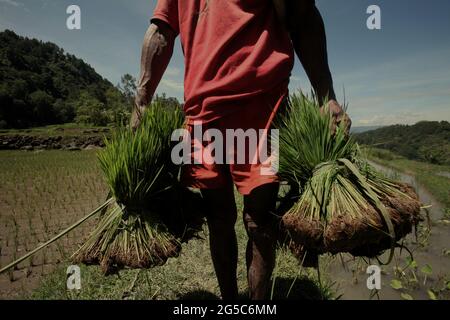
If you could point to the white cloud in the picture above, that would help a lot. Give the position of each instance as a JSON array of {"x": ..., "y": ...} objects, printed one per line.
[
  {"x": 172, "y": 88},
  {"x": 172, "y": 72},
  {"x": 390, "y": 119},
  {"x": 403, "y": 91},
  {"x": 12, "y": 3},
  {"x": 172, "y": 84}
]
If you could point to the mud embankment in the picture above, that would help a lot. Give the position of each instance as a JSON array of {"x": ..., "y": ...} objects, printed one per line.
[{"x": 89, "y": 140}]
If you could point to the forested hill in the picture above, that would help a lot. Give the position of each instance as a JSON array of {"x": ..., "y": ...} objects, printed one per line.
[
  {"x": 40, "y": 84},
  {"x": 424, "y": 141}
]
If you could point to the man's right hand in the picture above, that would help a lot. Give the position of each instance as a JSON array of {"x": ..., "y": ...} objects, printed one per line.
[
  {"x": 339, "y": 116},
  {"x": 140, "y": 105}
]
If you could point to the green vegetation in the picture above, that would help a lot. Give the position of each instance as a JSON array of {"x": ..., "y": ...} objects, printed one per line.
[
  {"x": 433, "y": 177},
  {"x": 142, "y": 179},
  {"x": 137, "y": 165},
  {"x": 344, "y": 205},
  {"x": 40, "y": 85},
  {"x": 44, "y": 192},
  {"x": 53, "y": 189},
  {"x": 182, "y": 278},
  {"x": 424, "y": 141},
  {"x": 66, "y": 129}
]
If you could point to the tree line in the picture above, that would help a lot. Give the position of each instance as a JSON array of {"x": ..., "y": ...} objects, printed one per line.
[
  {"x": 40, "y": 85},
  {"x": 427, "y": 141}
]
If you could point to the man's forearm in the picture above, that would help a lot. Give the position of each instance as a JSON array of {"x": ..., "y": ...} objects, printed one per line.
[
  {"x": 156, "y": 54},
  {"x": 308, "y": 36},
  {"x": 157, "y": 51}
]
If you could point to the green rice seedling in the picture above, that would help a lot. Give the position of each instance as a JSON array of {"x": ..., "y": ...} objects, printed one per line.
[
  {"x": 46, "y": 232},
  {"x": 344, "y": 205},
  {"x": 32, "y": 231},
  {"x": 16, "y": 236},
  {"x": 147, "y": 222},
  {"x": 14, "y": 245},
  {"x": 44, "y": 223}
]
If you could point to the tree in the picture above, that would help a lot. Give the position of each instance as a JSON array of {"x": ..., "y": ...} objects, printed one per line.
[
  {"x": 91, "y": 111},
  {"x": 427, "y": 141},
  {"x": 169, "y": 102},
  {"x": 117, "y": 106},
  {"x": 42, "y": 104},
  {"x": 128, "y": 87},
  {"x": 43, "y": 83},
  {"x": 64, "y": 111}
]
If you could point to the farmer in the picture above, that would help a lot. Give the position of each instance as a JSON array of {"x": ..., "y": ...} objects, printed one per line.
[{"x": 239, "y": 55}]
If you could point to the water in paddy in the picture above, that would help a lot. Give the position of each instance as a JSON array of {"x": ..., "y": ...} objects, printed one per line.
[{"x": 350, "y": 274}]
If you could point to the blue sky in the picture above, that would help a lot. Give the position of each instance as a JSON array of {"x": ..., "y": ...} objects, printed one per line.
[{"x": 399, "y": 74}]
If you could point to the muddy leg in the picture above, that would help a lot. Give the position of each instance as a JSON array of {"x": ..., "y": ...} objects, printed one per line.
[
  {"x": 221, "y": 219},
  {"x": 261, "y": 228}
]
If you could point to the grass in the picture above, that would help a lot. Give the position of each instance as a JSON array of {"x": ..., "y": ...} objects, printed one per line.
[
  {"x": 183, "y": 278},
  {"x": 67, "y": 129}
]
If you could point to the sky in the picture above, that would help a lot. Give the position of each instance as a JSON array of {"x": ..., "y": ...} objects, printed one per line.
[{"x": 399, "y": 74}]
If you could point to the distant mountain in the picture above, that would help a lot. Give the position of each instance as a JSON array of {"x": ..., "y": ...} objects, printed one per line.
[
  {"x": 425, "y": 141},
  {"x": 364, "y": 129},
  {"x": 40, "y": 84}
]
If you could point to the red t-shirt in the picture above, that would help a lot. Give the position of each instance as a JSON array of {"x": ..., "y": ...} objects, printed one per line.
[{"x": 234, "y": 50}]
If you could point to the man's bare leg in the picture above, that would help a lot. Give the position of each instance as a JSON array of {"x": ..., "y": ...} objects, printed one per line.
[
  {"x": 260, "y": 223},
  {"x": 222, "y": 215}
]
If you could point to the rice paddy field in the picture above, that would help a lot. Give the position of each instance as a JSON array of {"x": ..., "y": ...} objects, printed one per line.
[{"x": 43, "y": 192}]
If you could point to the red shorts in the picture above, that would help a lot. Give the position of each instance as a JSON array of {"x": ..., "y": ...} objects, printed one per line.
[{"x": 254, "y": 113}]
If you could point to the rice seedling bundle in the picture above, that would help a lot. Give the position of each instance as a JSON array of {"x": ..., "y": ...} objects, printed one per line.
[
  {"x": 150, "y": 213},
  {"x": 344, "y": 205}
]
